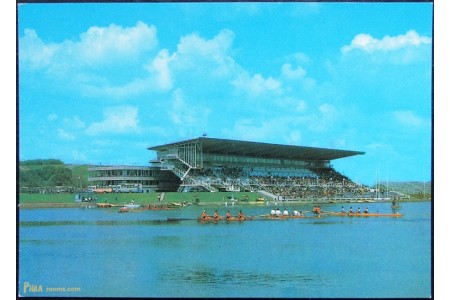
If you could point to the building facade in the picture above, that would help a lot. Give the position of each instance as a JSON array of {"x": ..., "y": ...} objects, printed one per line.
[
  {"x": 138, "y": 179},
  {"x": 210, "y": 164},
  {"x": 221, "y": 164}
]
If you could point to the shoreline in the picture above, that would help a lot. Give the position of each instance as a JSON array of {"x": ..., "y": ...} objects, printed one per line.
[
  {"x": 27, "y": 205},
  {"x": 55, "y": 205}
]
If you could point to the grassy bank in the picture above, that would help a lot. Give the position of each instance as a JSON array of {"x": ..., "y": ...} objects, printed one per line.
[
  {"x": 201, "y": 198},
  {"x": 150, "y": 198}
]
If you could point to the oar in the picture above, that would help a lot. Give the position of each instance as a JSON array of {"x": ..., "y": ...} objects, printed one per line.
[
  {"x": 327, "y": 212},
  {"x": 260, "y": 216},
  {"x": 180, "y": 219}
]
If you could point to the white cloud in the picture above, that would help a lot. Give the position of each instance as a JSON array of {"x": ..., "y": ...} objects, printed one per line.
[
  {"x": 367, "y": 43},
  {"x": 160, "y": 67},
  {"x": 197, "y": 54},
  {"x": 98, "y": 45},
  {"x": 256, "y": 85},
  {"x": 117, "y": 120},
  {"x": 69, "y": 127},
  {"x": 92, "y": 63},
  {"x": 33, "y": 52},
  {"x": 187, "y": 114},
  {"x": 64, "y": 135},
  {"x": 322, "y": 120},
  {"x": 268, "y": 130},
  {"x": 288, "y": 72},
  {"x": 131, "y": 89},
  {"x": 193, "y": 44},
  {"x": 75, "y": 122},
  {"x": 298, "y": 58},
  {"x": 409, "y": 119}
]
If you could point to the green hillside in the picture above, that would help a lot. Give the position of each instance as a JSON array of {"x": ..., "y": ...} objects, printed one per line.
[{"x": 50, "y": 173}]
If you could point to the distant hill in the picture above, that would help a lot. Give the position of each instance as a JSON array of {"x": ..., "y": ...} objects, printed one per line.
[{"x": 51, "y": 172}]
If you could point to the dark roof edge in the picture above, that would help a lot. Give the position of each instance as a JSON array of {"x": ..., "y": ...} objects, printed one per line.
[{"x": 251, "y": 142}]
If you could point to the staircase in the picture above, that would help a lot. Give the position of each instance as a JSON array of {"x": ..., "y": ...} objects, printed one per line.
[{"x": 177, "y": 167}]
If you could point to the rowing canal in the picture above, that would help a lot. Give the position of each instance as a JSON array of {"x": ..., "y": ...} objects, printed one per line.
[{"x": 76, "y": 252}]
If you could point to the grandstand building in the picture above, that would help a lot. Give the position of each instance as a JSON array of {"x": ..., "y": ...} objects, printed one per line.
[{"x": 278, "y": 171}]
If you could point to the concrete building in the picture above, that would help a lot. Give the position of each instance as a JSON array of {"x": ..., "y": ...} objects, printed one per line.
[
  {"x": 222, "y": 164},
  {"x": 211, "y": 164},
  {"x": 139, "y": 179}
]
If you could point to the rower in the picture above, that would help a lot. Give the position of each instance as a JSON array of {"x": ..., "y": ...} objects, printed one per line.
[
  {"x": 350, "y": 211},
  {"x": 366, "y": 211},
  {"x": 216, "y": 215},
  {"x": 295, "y": 213},
  {"x": 342, "y": 210},
  {"x": 285, "y": 212},
  {"x": 278, "y": 212},
  {"x": 241, "y": 216},
  {"x": 358, "y": 211},
  {"x": 228, "y": 215},
  {"x": 273, "y": 212},
  {"x": 204, "y": 214}
]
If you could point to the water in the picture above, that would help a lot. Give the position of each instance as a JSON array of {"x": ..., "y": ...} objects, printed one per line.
[{"x": 99, "y": 252}]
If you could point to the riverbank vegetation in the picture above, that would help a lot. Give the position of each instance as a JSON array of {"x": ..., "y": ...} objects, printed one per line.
[{"x": 51, "y": 173}]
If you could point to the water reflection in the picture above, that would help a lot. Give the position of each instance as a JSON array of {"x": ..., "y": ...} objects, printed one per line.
[{"x": 201, "y": 275}]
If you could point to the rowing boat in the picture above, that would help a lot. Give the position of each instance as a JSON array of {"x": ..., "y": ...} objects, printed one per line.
[
  {"x": 397, "y": 215},
  {"x": 156, "y": 207},
  {"x": 289, "y": 217},
  {"x": 212, "y": 219}
]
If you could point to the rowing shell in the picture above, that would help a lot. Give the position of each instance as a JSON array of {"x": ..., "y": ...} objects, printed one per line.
[
  {"x": 290, "y": 217},
  {"x": 397, "y": 215},
  {"x": 224, "y": 219}
]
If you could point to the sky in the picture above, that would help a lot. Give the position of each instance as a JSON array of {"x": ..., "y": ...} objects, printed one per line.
[{"x": 102, "y": 82}]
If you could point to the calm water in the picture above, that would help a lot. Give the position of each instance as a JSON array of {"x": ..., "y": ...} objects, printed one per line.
[{"x": 100, "y": 252}]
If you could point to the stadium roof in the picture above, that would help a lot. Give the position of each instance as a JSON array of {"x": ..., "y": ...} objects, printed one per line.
[{"x": 257, "y": 149}]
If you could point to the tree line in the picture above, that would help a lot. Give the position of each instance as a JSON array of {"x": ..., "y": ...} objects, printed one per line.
[{"x": 46, "y": 173}]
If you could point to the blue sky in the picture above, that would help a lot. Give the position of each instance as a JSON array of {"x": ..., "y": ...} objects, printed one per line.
[{"x": 99, "y": 83}]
